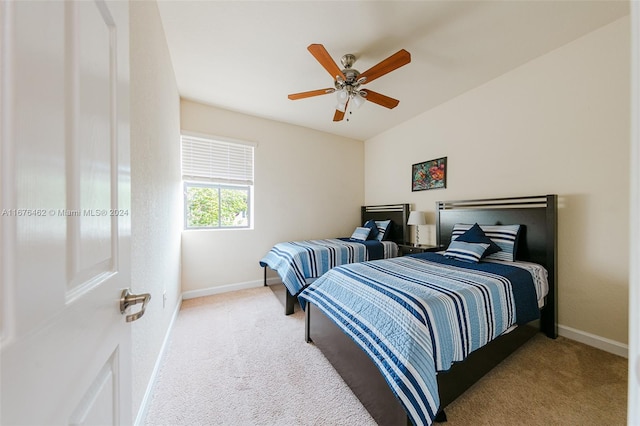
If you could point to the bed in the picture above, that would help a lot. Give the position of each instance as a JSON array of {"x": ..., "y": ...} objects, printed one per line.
[
  {"x": 389, "y": 370},
  {"x": 298, "y": 263}
]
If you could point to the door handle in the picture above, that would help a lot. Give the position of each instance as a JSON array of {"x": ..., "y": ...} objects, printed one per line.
[{"x": 127, "y": 299}]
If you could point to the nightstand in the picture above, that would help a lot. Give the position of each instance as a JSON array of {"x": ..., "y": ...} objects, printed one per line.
[{"x": 406, "y": 249}]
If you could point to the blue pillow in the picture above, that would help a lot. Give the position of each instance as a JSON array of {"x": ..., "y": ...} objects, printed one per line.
[
  {"x": 475, "y": 234},
  {"x": 466, "y": 252},
  {"x": 383, "y": 229},
  {"x": 505, "y": 236},
  {"x": 371, "y": 224},
  {"x": 360, "y": 234}
]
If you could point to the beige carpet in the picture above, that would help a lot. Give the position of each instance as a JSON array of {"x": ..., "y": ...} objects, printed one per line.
[{"x": 236, "y": 359}]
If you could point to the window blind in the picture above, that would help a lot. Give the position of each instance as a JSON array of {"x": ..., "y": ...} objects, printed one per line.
[{"x": 216, "y": 161}]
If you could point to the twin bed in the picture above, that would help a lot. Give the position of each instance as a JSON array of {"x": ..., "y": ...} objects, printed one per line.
[
  {"x": 299, "y": 263},
  {"x": 410, "y": 334}
]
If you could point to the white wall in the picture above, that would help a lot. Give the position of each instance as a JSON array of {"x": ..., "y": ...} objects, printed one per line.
[
  {"x": 308, "y": 184},
  {"x": 558, "y": 124},
  {"x": 156, "y": 217}
]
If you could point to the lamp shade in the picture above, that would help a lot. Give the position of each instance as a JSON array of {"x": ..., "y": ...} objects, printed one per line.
[
  {"x": 416, "y": 218},
  {"x": 358, "y": 100},
  {"x": 342, "y": 96}
]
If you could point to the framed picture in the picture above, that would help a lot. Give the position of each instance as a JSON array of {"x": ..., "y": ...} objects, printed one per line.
[{"x": 431, "y": 174}]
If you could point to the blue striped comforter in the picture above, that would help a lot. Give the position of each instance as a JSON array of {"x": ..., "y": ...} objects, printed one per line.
[
  {"x": 298, "y": 261},
  {"x": 416, "y": 315}
]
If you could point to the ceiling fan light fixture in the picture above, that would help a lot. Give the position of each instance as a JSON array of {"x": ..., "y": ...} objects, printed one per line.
[
  {"x": 341, "y": 106},
  {"x": 358, "y": 100}
]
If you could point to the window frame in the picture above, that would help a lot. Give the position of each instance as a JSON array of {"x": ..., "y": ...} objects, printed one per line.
[{"x": 217, "y": 184}]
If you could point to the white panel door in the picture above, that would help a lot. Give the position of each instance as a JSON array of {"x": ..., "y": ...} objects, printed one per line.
[{"x": 65, "y": 224}]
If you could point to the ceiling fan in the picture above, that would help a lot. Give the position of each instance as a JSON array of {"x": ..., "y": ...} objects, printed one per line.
[{"x": 347, "y": 82}]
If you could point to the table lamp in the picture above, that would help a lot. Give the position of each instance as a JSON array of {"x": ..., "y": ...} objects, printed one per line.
[{"x": 416, "y": 218}]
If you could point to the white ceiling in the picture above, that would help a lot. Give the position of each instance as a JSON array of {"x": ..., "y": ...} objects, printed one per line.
[{"x": 247, "y": 56}]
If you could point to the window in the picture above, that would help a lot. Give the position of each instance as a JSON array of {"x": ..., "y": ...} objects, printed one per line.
[{"x": 218, "y": 183}]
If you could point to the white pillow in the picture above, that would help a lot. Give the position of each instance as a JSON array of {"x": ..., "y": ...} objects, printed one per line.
[{"x": 360, "y": 234}]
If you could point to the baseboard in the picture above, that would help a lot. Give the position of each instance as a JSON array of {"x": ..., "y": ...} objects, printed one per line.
[
  {"x": 144, "y": 405},
  {"x": 191, "y": 294},
  {"x": 603, "y": 343}
]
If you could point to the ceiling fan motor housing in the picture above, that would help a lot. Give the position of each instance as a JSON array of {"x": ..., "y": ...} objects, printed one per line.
[
  {"x": 350, "y": 83},
  {"x": 348, "y": 60}
]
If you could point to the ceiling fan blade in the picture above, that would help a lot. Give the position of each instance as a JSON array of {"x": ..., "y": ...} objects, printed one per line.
[
  {"x": 320, "y": 53},
  {"x": 310, "y": 93},
  {"x": 339, "y": 115},
  {"x": 380, "y": 99},
  {"x": 395, "y": 61}
]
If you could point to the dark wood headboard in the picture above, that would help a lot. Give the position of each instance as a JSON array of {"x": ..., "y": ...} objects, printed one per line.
[
  {"x": 398, "y": 213},
  {"x": 537, "y": 242}
]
